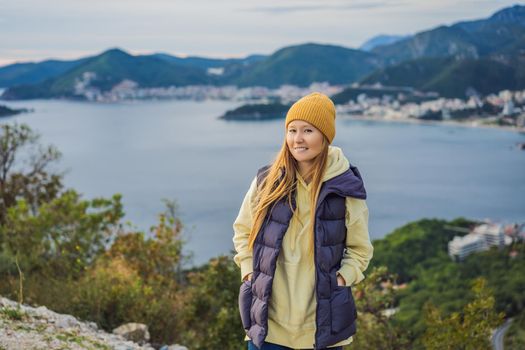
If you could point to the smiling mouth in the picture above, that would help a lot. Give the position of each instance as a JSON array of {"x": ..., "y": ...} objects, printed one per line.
[{"x": 300, "y": 148}]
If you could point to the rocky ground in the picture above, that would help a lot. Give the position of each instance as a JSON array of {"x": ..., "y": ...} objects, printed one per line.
[{"x": 26, "y": 327}]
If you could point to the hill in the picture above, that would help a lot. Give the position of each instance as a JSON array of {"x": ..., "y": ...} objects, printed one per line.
[
  {"x": 417, "y": 253},
  {"x": 34, "y": 73},
  {"x": 303, "y": 64},
  {"x": 108, "y": 69}
]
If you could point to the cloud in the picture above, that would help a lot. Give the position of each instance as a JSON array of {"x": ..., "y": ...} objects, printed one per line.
[{"x": 304, "y": 8}]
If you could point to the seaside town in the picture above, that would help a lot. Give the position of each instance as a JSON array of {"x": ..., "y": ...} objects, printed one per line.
[{"x": 504, "y": 109}]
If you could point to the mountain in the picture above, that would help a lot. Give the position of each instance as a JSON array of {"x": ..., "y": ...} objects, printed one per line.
[
  {"x": 306, "y": 63},
  {"x": 382, "y": 39},
  {"x": 33, "y": 73},
  {"x": 298, "y": 65},
  {"x": 30, "y": 73},
  {"x": 108, "y": 69},
  {"x": 205, "y": 63},
  {"x": 484, "y": 55},
  {"x": 470, "y": 39},
  {"x": 452, "y": 77},
  {"x": 509, "y": 15}
]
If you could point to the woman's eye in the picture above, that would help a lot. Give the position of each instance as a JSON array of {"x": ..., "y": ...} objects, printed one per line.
[
  {"x": 291, "y": 130},
  {"x": 308, "y": 130}
]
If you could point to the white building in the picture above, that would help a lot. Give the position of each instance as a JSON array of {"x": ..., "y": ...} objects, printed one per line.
[
  {"x": 481, "y": 238},
  {"x": 493, "y": 234}
]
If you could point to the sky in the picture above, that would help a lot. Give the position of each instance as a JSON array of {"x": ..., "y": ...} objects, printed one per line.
[{"x": 34, "y": 30}]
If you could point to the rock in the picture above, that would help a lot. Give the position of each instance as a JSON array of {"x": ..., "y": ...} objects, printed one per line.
[
  {"x": 41, "y": 328},
  {"x": 173, "y": 347},
  {"x": 177, "y": 347},
  {"x": 67, "y": 321},
  {"x": 136, "y": 332},
  {"x": 41, "y": 311}
]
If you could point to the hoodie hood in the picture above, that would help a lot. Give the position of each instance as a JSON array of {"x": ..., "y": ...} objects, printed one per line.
[
  {"x": 340, "y": 176},
  {"x": 336, "y": 164}
]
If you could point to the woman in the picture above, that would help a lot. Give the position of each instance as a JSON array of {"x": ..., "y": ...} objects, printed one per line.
[{"x": 298, "y": 263}]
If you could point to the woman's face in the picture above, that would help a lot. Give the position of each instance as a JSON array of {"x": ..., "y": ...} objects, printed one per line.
[{"x": 304, "y": 140}]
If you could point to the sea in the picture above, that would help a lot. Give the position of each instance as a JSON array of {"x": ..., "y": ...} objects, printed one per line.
[{"x": 179, "y": 150}]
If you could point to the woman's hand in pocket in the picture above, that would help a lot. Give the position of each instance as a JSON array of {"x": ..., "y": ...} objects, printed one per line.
[
  {"x": 340, "y": 281},
  {"x": 248, "y": 277}
]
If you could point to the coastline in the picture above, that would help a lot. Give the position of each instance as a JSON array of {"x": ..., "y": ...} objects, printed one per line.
[{"x": 468, "y": 124}]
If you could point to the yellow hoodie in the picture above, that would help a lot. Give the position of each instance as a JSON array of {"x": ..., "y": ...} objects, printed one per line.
[{"x": 291, "y": 310}]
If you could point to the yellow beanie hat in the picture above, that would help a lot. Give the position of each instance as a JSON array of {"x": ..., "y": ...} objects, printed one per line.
[{"x": 316, "y": 109}]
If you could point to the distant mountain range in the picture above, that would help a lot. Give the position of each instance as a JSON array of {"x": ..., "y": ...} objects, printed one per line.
[
  {"x": 486, "y": 55},
  {"x": 382, "y": 39},
  {"x": 34, "y": 73},
  {"x": 472, "y": 39},
  {"x": 482, "y": 56},
  {"x": 108, "y": 69}
]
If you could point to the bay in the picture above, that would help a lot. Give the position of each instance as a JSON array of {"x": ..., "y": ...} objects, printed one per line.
[{"x": 150, "y": 150}]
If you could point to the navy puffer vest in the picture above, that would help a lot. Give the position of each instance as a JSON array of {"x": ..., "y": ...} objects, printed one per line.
[{"x": 336, "y": 310}]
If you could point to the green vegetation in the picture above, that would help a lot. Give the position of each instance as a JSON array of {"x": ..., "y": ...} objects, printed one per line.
[
  {"x": 417, "y": 246},
  {"x": 76, "y": 257},
  {"x": 451, "y": 77},
  {"x": 373, "y": 296},
  {"x": 110, "y": 68},
  {"x": 6, "y": 111},
  {"x": 12, "y": 313},
  {"x": 417, "y": 254},
  {"x": 303, "y": 64},
  {"x": 515, "y": 338},
  {"x": 257, "y": 112},
  {"x": 465, "y": 330},
  {"x": 34, "y": 73}
]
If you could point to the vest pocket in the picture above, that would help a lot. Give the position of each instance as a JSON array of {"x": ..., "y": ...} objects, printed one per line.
[
  {"x": 343, "y": 308},
  {"x": 245, "y": 304}
]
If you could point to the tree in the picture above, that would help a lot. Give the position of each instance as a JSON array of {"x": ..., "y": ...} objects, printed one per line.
[
  {"x": 137, "y": 279},
  {"x": 159, "y": 259},
  {"x": 24, "y": 173},
  {"x": 208, "y": 314},
  {"x": 63, "y": 236},
  {"x": 375, "y": 299},
  {"x": 469, "y": 330}
]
